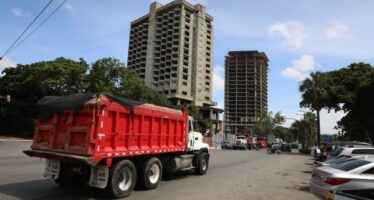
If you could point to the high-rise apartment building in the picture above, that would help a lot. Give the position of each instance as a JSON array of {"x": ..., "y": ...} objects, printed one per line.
[
  {"x": 245, "y": 89},
  {"x": 171, "y": 50}
]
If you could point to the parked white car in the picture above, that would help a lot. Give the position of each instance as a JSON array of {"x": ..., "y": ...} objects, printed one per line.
[{"x": 351, "y": 151}]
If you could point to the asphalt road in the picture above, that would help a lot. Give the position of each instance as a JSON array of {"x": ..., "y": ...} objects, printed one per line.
[{"x": 232, "y": 175}]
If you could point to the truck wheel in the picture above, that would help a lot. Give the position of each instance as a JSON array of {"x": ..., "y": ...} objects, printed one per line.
[
  {"x": 68, "y": 178},
  {"x": 202, "y": 164},
  {"x": 150, "y": 174},
  {"x": 122, "y": 178}
]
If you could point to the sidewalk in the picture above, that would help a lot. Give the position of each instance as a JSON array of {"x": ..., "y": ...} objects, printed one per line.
[{"x": 13, "y": 139}]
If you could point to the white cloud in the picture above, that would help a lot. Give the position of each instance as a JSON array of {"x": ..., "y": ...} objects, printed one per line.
[
  {"x": 304, "y": 63},
  {"x": 17, "y": 12},
  {"x": 337, "y": 31},
  {"x": 218, "y": 79},
  {"x": 292, "y": 73},
  {"x": 328, "y": 120},
  {"x": 68, "y": 6},
  {"x": 5, "y": 63},
  {"x": 293, "y": 32},
  {"x": 300, "y": 68}
]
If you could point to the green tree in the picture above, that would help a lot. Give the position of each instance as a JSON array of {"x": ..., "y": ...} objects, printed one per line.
[
  {"x": 353, "y": 92},
  {"x": 284, "y": 133},
  {"x": 305, "y": 130},
  {"x": 106, "y": 75},
  {"x": 315, "y": 95},
  {"x": 201, "y": 123},
  {"x": 267, "y": 122},
  {"x": 29, "y": 83},
  {"x": 110, "y": 75}
]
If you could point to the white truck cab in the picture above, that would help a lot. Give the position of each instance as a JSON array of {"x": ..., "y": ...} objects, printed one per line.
[
  {"x": 195, "y": 139},
  {"x": 240, "y": 142}
]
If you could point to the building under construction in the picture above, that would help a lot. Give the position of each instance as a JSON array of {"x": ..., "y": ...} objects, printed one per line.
[
  {"x": 171, "y": 50},
  {"x": 245, "y": 89}
]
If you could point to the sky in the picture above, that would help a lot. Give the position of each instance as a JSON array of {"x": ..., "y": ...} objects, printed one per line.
[{"x": 298, "y": 36}]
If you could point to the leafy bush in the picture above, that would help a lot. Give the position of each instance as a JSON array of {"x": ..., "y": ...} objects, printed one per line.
[{"x": 304, "y": 151}]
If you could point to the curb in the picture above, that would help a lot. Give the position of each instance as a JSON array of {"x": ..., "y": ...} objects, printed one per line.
[{"x": 15, "y": 140}]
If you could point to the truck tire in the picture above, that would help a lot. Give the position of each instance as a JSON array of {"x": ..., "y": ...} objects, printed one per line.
[
  {"x": 122, "y": 178},
  {"x": 150, "y": 174},
  {"x": 69, "y": 179},
  {"x": 202, "y": 163}
]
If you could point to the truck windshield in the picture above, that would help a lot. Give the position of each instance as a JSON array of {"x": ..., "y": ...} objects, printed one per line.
[{"x": 190, "y": 128}]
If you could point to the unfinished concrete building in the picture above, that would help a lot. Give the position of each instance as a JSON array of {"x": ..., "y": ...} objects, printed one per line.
[
  {"x": 245, "y": 89},
  {"x": 171, "y": 50}
]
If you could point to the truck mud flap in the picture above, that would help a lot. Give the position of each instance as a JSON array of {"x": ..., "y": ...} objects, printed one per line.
[
  {"x": 52, "y": 169},
  {"x": 99, "y": 176}
]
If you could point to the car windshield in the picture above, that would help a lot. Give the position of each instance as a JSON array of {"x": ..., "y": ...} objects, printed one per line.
[
  {"x": 337, "y": 159},
  {"x": 336, "y": 152},
  {"x": 240, "y": 138},
  {"x": 350, "y": 164}
]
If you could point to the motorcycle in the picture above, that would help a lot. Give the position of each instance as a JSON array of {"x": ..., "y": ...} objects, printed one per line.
[{"x": 273, "y": 148}]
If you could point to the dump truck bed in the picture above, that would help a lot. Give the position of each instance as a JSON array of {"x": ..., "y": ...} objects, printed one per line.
[{"x": 99, "y": 126}]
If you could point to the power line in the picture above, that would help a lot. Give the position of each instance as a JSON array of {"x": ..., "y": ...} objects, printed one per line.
[
  {"x": 35, "y": 29},
  {"x": 27, "y": 28}
]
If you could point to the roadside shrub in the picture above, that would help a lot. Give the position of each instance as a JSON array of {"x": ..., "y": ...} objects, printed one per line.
[{"x": 304, "y": 151}]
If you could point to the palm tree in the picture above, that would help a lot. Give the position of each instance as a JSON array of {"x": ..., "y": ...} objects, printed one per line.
[
  {"x": 315, "y": 95},
  {"x": 310, "y": 122}
]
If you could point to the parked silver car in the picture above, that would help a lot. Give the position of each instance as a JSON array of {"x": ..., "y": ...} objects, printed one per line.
[
  {"x": 338, "y": 159},
  {"x": 350, "y": 174}
]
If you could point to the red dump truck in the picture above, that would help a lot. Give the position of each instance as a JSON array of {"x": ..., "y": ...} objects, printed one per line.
[{"x": 114, "y": 143}]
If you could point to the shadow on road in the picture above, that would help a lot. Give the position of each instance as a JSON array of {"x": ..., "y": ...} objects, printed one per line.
[
  {"x": 47, "y": 189},
  {"x": 178, "y": 175},
  {"x": 304, "y": 188}
]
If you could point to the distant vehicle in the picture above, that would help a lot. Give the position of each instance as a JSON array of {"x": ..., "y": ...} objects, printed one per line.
[
  {"x": 226, "y": 145},
  {"x": 286, "y": 147},
  {"x": 321, "y": 153},
  {"x": 262, "y": 142},
  {"x": 252, "y": 142},
  {"x": 352, "y": 174},
  {"x": 240, "y": 142},
  {"x": 271, "y": 139},
  {"x": 274, "y": 148}
]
